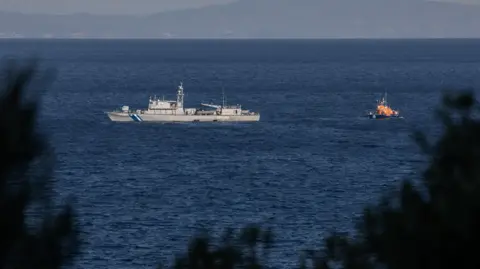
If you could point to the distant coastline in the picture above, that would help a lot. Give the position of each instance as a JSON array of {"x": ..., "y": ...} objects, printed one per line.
[{"x": 291, "y": 19}]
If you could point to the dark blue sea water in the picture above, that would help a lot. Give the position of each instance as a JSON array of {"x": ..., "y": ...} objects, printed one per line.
[{"x": 308, "y": 167}]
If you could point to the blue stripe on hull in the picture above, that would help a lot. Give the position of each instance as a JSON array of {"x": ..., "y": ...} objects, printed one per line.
[{"x": 135, "y": 117}]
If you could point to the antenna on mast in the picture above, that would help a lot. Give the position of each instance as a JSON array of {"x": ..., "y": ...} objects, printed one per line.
[{"x": 223, "y": 97}]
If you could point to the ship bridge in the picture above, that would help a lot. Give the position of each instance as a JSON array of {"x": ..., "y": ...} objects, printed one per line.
[{"x": 156, "y": 103}]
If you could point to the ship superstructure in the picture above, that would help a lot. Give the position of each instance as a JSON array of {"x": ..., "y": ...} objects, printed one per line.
[{"x": 383, "y": 110}]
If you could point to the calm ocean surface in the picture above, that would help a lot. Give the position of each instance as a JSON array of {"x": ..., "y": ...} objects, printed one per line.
[{"x": 308, "y": 167}]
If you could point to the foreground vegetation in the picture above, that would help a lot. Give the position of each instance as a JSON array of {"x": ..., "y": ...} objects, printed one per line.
[
  {"x": 48, "y": 239},
  {"x": 433, "y": 225}
]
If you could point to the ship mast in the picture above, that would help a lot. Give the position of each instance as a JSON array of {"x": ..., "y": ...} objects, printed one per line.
[
  {"x": 223, "y": 97},
  {"x": 180, "y": 96}
]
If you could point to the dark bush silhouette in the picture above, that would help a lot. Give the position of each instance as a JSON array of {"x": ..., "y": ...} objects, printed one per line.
[
  {"x": 44, "y": 239},
  {"x": 434, "y": 225},
  {"x": 247, "y": 249}
]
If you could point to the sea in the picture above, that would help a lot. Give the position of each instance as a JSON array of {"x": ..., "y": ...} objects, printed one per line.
[{"x": 307, "y": 169}]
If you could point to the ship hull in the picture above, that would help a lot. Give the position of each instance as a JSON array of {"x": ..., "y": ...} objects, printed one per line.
[
  {"x": 131, "y": 117},
  {"x": 379, "y": 117}
]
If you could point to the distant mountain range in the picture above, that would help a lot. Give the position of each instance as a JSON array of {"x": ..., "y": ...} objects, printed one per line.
[{"x": 264, "y": 19}]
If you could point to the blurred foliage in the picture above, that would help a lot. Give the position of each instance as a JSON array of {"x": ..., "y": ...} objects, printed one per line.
[
  {"x": 248, "y": 248},
  {"x": 44, "y": 239},
  {"x": 433, "y": 225}
]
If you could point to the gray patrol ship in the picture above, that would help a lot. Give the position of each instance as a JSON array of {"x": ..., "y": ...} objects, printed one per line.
[{"x": 161, "y": 110}]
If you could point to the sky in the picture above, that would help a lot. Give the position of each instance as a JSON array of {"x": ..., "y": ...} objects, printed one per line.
[
  {"x": 137, "y": 7},
  {"x": 102, "y": 6}
]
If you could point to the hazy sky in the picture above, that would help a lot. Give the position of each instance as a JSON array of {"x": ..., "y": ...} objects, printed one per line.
[
  {"x": 115, "y": 6},
  {"x": 102, "y": 6}
]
